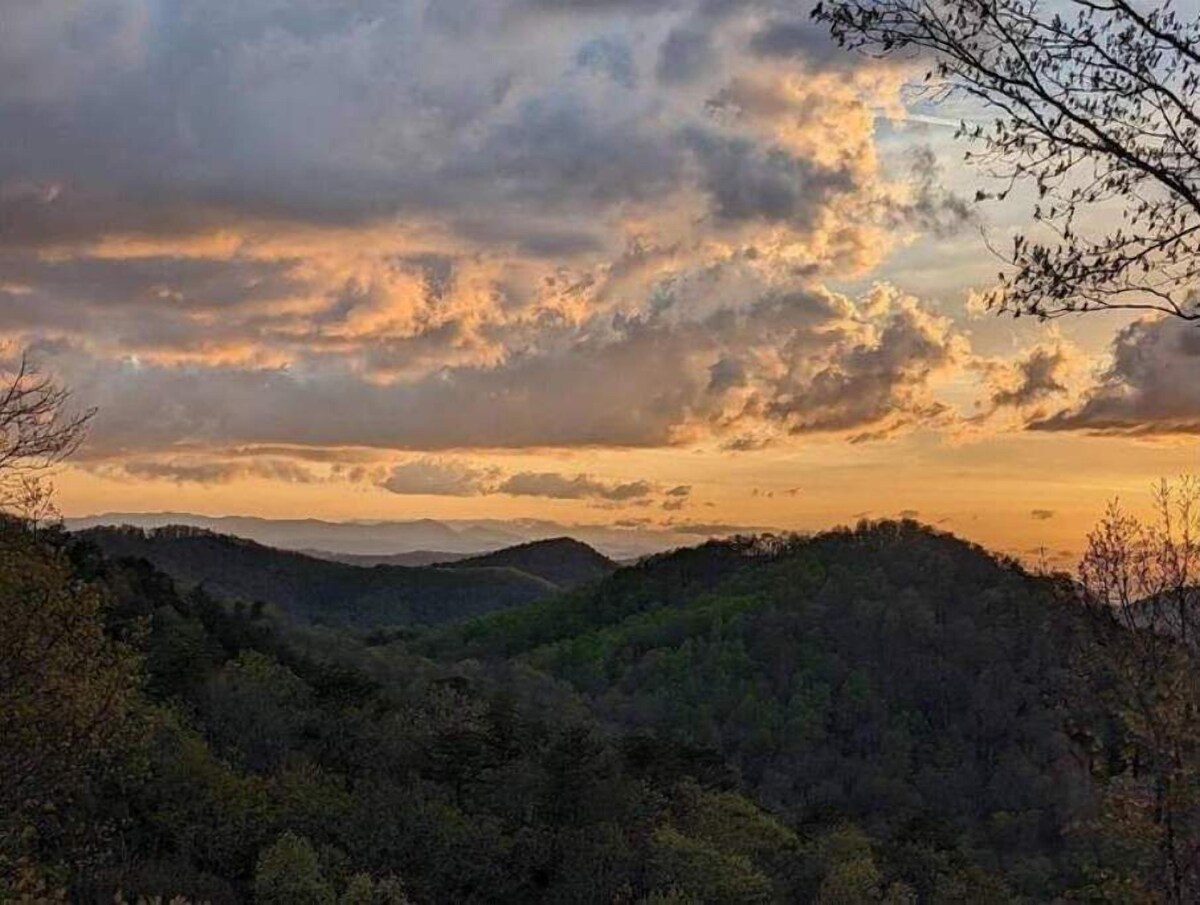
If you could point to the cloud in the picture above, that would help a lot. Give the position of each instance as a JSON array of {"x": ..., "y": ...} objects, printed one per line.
[
  {"x": 1148, "y": 388},
  {"x": 560, "y": 487},
  {"x": 748, "y": 181},
  {"x": 1042, "y": 515},
  {"x": 203, "y": 470},
  {"x": 797, "y": 38},
  {"x": 1033, "y": 378},
  {"x": 437, "y": 477},
  {"x": 481, "y": 225},
  {"x": 684, "y": 55},
  {"x": 811, "y": 363},
  {"x": 718, "y": 529}
]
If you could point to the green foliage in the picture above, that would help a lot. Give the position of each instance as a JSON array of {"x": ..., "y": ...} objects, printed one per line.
[
  {"x": 67, "y": 711},
  {"x": 288, "y": 873},
  {"x": 885, "y": 715},
  {"x": 890, "y": 676}
]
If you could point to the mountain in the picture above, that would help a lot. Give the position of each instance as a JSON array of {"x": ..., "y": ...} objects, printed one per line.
[
  {"x": 891, "y": 676},
  {"x": 369, "y": 538},
  {"x": 318, "y": 590},
  {"x": 414, "y": 558},
  {"x": 463, "y": 537},
  {"x": 563, "y": 561}
]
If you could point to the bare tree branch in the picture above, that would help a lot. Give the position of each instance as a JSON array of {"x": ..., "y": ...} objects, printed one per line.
[{"x": 1095, "y": 108}]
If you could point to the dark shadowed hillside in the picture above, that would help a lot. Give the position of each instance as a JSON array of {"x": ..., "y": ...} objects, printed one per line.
[
  {"x": 561, "y": 560},
  {"x": 319, "y": 590}
]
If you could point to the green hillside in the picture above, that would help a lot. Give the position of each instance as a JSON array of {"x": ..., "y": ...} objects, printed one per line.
[{"x": 891, "y": 676}]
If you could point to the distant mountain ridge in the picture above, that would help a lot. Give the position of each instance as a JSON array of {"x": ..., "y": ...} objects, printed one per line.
[
  {"x": 410, "y": 559},
  {"x": 320, "y": 590},
  {"x": 564, "y": 561},
  {"x": 457, "y": 537}
]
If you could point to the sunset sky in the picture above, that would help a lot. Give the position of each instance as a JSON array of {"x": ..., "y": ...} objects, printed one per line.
[{"x": 598, "y": 261}]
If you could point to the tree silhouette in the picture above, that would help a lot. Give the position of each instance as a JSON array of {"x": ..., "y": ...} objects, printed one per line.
[
  {"x": 1142, "y": 578},
  {"x": 1094, "y": 108},
  {"x": 37, "y": 431}
]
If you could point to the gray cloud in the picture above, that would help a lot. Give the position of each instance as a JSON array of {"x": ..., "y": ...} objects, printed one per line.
[
  {"x": 747, "y": 181},
  {"x": 799, "y": 38},
  {"x": 437, "y": 477},
  {"x": 626, "y": 382},
  {"x": 210, "y": 471},
  {"x": 580, "y": 487},
  {"x": 685, "y": 54},
  {"x": 1039, "y": 377},
  {"x": 1149, "y": 388}
]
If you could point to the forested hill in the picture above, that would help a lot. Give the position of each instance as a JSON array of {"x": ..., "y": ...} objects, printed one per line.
[
  {"x": 564, "y": 561},
  {"x": 318, "y": 590},
  {"x": 892, "y": 676}
]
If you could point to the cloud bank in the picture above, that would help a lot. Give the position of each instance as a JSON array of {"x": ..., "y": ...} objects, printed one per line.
[{"x": 428, "y": 228}]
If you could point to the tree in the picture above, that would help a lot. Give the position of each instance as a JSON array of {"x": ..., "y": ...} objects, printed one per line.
[
  {"x": 1094, "y": 104},
  {"x": 1143, "y": 579},
  {"x": 289, "y": 873},
  {"x": 37, "y": 431},
  {"x": 68, "y": 696}
]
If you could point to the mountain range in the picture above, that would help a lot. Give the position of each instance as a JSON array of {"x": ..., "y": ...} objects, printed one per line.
[
  {"x": 436, "y": 540},
  {"x": 309, "y": 588}
]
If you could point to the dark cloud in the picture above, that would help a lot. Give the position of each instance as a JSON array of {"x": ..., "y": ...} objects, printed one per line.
[
  {"x": 1148, "y": 389},
  {"x": 580, "y": 487},
  {"x": 610, "y": 57},
  {"x": 794, "y": 38},
  {"x": 1039, "y": 377},
  {"x": 871, "y": 381},
  {"x": 630, "y": 382},
  {"x": 750, "y": 182},
  {"x": 210, "y": 471},
  {"x": 437, "y": 477},
  {"x": 1042, "y": 515},
  {"x": 686, "y": 53}
]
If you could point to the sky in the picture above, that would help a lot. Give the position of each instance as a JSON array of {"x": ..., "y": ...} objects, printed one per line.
[{"x": 645, "y": 263}]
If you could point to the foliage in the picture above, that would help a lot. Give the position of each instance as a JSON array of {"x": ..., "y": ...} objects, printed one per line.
[
  {"x": 67, "y": 700},
  {"x": 888, "y": 676},
  {"x": 878, "y": 715}
]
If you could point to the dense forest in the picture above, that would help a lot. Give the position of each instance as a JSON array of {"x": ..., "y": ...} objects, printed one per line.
[{"x": 884, "y": 714}]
